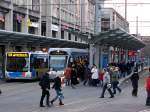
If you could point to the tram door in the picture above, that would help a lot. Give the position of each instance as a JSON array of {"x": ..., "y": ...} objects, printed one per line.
[{"x": 104, "y": 60}]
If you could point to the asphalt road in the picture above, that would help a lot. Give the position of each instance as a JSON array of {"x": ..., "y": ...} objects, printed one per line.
[{"x": 25, "y": 96}]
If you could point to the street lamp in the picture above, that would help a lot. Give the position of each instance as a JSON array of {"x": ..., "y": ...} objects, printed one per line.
[{"x": 125, "y": 9}]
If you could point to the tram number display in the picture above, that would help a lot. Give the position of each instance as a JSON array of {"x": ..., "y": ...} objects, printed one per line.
[
  {"x": 25, "y": 55},
  {"x": 58, "y": 53}
]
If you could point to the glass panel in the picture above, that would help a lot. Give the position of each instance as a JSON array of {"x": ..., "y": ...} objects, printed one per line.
[
  {"x": 17, "y": 64},
  {"x": 58, "y": 62},
  {"x": 39, "y": 61}
]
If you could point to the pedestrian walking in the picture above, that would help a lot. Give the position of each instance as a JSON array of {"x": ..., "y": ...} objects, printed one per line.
[
  {"x": 95, "y": 75},
  {"x": 134, "y": 80},
  {"x": 45, "y": 86},
  {"x": 148, "y": 89},
  {"x": 87, "y": 74},
  {"x": 67, "y": 75},
  {"x": 58, "y": 89},
  {"x": 74, "y": 80},
  {"x": 101, "y": 75},
  {"x": 107, "y": 84},
  {"x": 115, "y": 81}
]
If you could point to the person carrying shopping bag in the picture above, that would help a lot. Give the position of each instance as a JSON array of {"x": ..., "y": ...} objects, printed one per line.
[{"x": 107, "y": 84}]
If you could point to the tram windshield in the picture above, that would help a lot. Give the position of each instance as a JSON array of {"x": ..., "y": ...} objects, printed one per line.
[{"x": 58, "y": 62}]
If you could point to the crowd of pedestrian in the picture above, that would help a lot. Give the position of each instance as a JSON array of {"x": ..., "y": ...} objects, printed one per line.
[{"x": 107, "y": 79}]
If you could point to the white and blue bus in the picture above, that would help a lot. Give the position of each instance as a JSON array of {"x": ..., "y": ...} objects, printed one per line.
[
  {"x": 25, "y": 65},
  {"x": 60, "y": 58}
]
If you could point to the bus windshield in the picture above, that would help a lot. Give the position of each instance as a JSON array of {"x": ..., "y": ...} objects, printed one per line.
[
  {"x": 17, "y": 64},
  {"x": 58, "y": 63},
  {"x": 39, "y": 61}
]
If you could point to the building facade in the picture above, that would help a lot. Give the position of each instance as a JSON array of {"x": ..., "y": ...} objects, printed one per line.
[
  {"x": 20, "y": 16},
  {"x": 60, "y": 18},
  {"x": 113, "y": 20}
]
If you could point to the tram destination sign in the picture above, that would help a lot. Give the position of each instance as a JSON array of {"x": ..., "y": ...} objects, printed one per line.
[{"x": 23, "y": 55}]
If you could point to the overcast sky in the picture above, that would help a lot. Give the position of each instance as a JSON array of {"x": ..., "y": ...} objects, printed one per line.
[{"x": 134, "y": 11}]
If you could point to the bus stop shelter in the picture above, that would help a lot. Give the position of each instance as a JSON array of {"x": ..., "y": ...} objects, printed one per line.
[
  {"x": 17, "y": 38},
  {"x": 117, "y": 38}
]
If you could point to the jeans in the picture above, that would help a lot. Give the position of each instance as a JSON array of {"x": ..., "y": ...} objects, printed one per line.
[{"x": 59, "y": 95}]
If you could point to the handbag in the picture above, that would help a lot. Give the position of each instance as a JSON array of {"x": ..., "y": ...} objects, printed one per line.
[{"x": 108, "y": 85}]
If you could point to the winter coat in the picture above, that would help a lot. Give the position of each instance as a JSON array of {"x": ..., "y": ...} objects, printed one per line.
[
  {"x": 94, "y": 72},
  {"x": 148, "y": 84},
  {"x": 101, "y": 76},
  {"x": 45, "y": 82},
  {"x": 67, "y": 73},
  {"x": 74, "y": 80},
  {"x": 106, "y": 79},
  {"x": 57, "y": 84}
]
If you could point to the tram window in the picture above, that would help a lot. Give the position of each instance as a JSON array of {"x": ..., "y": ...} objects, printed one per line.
[{"x": 38, "y": 63}]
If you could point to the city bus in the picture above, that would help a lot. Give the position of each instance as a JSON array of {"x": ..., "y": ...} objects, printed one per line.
[
  {"x": 60, "y": 58},
  {"x": 25, "y": 65}
]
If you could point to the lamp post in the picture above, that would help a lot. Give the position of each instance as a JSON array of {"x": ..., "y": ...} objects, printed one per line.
[{"x": 125, "y": 9}]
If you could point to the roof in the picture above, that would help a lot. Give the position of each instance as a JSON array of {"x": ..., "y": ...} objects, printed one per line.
[
  {"x": 117, "y": 38},
  {"x": 18, "y": 38}
]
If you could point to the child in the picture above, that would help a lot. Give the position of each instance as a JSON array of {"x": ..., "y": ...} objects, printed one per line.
[{"x": 57, "y": 87}]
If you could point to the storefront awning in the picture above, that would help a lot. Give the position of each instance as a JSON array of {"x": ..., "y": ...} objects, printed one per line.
[
  {"x": 17, "y": 38},
  {"x": 117, "y": 38}
]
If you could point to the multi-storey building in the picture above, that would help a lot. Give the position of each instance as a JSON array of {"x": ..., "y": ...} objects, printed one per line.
[
  {"x": 60, "y": 18},
  {"x": 112, "y": 20},
  {"x": 20, "y": 16}
]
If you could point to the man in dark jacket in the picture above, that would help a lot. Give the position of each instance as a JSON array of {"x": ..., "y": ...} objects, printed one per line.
[
  {"x": 45, "y": 86},
  {"x": 134, "y": 80}
]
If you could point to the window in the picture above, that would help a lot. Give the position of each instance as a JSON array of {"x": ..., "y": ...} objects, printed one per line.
[
  {"x": 17, "y": 22},
  {"x": 36, "y": 5},
  {"x": 31, "y": 30},
  {"x": 62, "y": 34},
  {"x": 76, "y": 38},
  {"x": 54, "y": 34},
  {"x": 33, "y": 25},
  {"x": 2, "y": 21},
  {"x": 43, "y": 28},
  {"x": 69, "y": 36}
]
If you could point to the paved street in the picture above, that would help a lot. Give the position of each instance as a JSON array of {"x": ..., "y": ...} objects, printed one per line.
[{"x": 25, "y": 96}]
